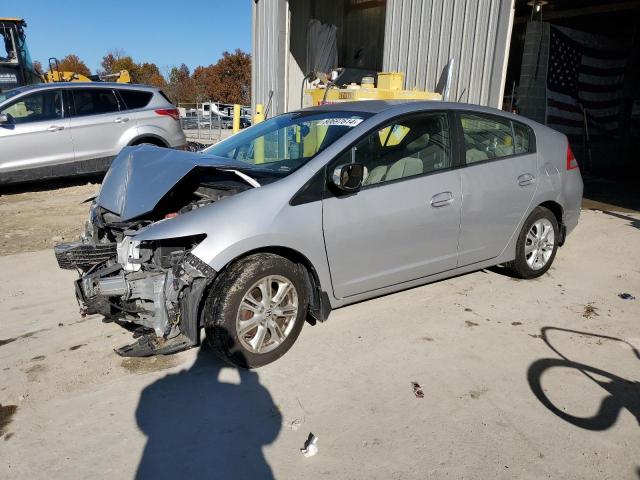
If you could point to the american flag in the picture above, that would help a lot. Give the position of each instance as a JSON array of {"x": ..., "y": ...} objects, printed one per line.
[{"x": 585, "y": 74}]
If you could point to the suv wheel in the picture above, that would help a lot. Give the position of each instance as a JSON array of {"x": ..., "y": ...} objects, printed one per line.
[
  {"x": 537, "y": 244},
  {"x": 256, "y": 310}
]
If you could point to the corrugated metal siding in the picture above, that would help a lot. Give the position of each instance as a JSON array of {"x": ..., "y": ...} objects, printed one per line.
[
  {"x": 268, "y": 70},
  {"x": 421, "y": 36}
]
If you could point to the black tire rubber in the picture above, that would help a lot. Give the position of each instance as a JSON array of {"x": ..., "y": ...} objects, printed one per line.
[
  {"x": 519, "y": 266},
  {"x": 222, "y": 304}
]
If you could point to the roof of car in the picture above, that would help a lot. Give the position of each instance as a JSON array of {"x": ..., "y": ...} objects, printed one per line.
[
  {"x": 379, "y": 106},
  {"x": 44, "y": 86}
]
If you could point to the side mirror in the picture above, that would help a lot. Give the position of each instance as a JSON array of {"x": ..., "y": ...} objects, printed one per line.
[
  {"x": 4, "y": 119},
  {"x": 349, "y": 177}
]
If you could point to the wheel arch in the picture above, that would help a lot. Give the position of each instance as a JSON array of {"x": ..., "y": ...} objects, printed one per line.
[
  {"x": 149, "y": 138},
  {"x": 558, "y": 212},
  {"x": 319, "y": 305}
]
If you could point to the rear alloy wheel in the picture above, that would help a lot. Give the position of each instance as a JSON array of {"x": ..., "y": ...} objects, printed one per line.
[
  {"x": 537, "y": 244},
  {"x": 256, "y": 310}
]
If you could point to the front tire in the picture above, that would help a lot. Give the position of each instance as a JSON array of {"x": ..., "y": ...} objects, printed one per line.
[
  {"x": 537, "y": 244},
  {"x": 256, "y": 310}
]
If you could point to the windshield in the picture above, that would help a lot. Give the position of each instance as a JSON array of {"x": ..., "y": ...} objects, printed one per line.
[
  {"x": 8, "y": 53},
  {"x": 284, "y": 143}
]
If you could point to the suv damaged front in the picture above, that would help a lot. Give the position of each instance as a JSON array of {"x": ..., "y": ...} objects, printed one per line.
[{"x": 152, "y": 287}]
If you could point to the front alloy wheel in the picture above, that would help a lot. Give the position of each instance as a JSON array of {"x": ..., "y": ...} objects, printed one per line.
[
  {"x": 267, "y": 314},
  {"x": 256, "y": 309}
]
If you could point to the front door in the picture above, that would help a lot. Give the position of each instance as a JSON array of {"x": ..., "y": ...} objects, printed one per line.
[
  {"x": 36, "y": 133},
  {"x": 498, "y": 184},
  {"x": 404, "y": 222}
]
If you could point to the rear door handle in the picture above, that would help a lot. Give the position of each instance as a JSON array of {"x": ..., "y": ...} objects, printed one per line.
[
  {"x": 442, "y": 199},
  {"x": 121, "y": 120},
  {"x": 55, "y": 128},
  {"x": 526, "y": 179}
]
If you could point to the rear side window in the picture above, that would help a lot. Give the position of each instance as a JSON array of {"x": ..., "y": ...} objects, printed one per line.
[
  {"x": 94, "y": 101},
  {"x": 135, "y": 98},
  {"x": 488, "y": 138}
]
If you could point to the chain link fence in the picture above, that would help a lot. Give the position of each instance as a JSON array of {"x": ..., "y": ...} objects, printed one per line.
[{"x": 210, "y": 122}]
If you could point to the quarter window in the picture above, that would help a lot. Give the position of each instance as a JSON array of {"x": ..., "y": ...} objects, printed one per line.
[
  {"x": 135, "y": 98},
  {"x": 488, "y": 138},
  {"x": 412, "y": 146},
  {"x": 35, "y": 108},
  {"x": 94, "y": 101}
]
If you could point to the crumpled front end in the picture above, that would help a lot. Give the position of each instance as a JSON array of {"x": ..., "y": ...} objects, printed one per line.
[{"x": 152, "y": 288}]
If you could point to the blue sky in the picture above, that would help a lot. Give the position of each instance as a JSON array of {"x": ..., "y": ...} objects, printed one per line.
[{"x": 166, "y": 32}]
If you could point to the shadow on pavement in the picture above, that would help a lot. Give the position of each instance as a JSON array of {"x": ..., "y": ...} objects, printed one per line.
[
  {"x": 623, "y": 393},
  {"x": 633, "y": 222},
  {"x": 199, "y": 427}
]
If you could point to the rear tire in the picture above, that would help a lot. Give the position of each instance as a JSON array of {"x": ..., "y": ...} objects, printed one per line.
[
  {"x": 256, "y": 309},
  {"x": 537, "y": 244}
]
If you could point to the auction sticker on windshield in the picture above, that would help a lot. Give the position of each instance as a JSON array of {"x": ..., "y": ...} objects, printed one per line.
[{"x": 340, "y": 122}]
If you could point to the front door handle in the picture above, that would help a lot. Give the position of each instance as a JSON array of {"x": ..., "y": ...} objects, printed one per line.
[
  {"x": 526, "y": 179},
  {"x": 55, "y": 128},
  {"x": 121, "y": 120},
  {"x": 442, "y": 199}
]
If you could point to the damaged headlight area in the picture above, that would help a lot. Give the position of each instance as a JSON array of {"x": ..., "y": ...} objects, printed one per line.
[{"x": 152, "y": 287}]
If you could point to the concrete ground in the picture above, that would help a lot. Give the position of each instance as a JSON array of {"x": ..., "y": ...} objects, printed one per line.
[{"x": 521, "y": 379}]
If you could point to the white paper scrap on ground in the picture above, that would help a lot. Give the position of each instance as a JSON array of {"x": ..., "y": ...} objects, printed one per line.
[{"x": 310, "y": 446}]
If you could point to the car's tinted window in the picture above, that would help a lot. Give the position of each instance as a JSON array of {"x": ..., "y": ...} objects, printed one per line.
[
  {"x": 35, "y": 108},
  {"x": 488, "y": 137},
  {"x": 135, "y": 98},
  {"x": 94, "y": 101},
  {"x": 412, "y": 146}
]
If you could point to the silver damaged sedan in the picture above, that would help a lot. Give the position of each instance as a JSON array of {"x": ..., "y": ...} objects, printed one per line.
[{"x": 313, "y": 210}]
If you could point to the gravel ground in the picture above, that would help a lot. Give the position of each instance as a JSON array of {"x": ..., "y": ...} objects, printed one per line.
[
  {"x": 521, "y": 379},
  {"x": 38, "y": 219}
]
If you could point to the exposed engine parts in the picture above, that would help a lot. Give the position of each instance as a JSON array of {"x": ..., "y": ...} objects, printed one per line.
[{"x": 146, "y": 285}]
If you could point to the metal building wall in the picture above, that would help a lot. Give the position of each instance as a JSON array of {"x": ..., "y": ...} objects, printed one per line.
[
  {"x": 269, "y": 51},
  {"x": 421, "y": 36}
]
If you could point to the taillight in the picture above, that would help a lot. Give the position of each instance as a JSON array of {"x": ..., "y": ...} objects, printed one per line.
[
  {"x": 169, "y": 112},
  {"x": 572, "y": 163}
]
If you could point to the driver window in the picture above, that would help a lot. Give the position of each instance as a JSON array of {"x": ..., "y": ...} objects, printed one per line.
[
  {"x": 412, "y": 146},
  {"x": 35, "y": 108}
]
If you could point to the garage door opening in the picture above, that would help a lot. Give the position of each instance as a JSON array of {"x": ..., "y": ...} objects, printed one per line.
[
  {"x": 323, "y": 35},
  {"x": 575, "y": 66}
]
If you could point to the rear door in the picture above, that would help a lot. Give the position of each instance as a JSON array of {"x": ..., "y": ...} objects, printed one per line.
[
  {"x": 37, "y": 133},
  {"x": 498, "y": 183},
  {"x": 404, "y": 222},
  {"x": 97, "y": 124}
]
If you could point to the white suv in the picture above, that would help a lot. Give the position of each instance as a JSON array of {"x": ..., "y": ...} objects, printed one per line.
[{"x": 63, "y": 129}]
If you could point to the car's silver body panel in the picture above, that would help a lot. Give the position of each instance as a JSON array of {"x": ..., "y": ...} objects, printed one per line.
[
  {"x": 378, "y": 240},
  {"x": 81, "y": 144}
]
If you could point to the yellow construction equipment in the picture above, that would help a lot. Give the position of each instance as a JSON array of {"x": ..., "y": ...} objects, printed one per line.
[
  {"x": 54, "y": 74},
  {"x": 390, "y": 87}
]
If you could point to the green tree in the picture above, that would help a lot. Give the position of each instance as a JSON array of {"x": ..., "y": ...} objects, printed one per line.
[{"x": 180, "y": 87}]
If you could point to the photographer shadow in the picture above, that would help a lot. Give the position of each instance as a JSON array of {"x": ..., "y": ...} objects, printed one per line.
[
  {"x": 200, "y": 427},
  {"x": 622, "y": 393}
]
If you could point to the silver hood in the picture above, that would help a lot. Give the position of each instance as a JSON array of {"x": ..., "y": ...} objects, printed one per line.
[{"x": 140, "y": 176}]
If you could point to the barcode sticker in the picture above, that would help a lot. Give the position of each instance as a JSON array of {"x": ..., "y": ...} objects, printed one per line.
[{"x": 340, "y": 122}]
